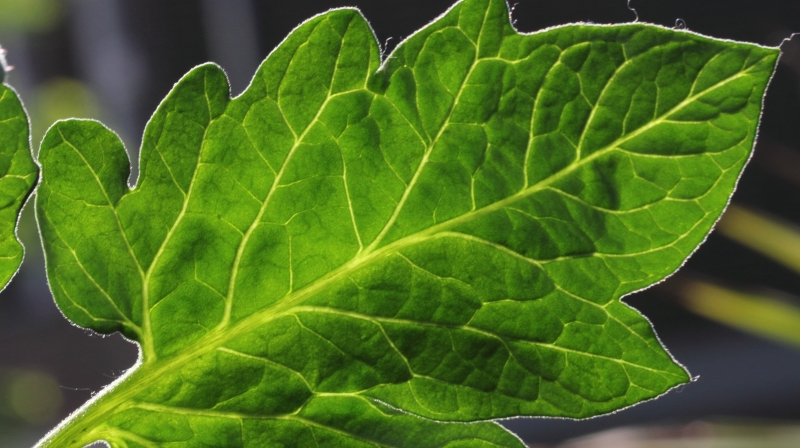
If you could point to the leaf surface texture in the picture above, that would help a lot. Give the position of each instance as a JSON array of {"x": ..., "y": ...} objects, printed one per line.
[
  {"x": 447, "y": 232},
  {"x": 18, "y": 175}
]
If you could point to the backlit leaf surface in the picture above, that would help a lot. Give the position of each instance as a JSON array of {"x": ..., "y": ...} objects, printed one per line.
[
  {"x": 448, "y": 233},
  {"x": 18, "y": 174}
]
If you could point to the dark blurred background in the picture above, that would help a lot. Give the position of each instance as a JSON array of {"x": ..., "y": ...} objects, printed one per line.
[{"x": 114, "y": 60}]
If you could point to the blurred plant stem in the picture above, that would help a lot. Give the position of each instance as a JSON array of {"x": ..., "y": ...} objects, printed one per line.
[
  {"x": 759, "y": 314},
  {"x": 777, "y": 240}
]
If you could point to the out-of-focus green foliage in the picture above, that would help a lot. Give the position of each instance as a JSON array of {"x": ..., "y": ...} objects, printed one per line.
[
  {"x": 30, "y": 396},
  {"x": 29, "y": 15},
  {"x": 61, "y": 98},
  {"x": 759, "y": 314},
  {"x": 775, "y": 239},
  {"x": 762, "y": 314}
]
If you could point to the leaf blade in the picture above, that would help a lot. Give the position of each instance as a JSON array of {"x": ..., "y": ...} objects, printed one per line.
[
  {"x": 18, "y": 176},
  {"x": 449, "y": 234}
]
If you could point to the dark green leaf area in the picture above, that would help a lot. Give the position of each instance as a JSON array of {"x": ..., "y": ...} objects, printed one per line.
[
  {"x": 18, "y": 175},
  {"x": 448, "y": 233}
]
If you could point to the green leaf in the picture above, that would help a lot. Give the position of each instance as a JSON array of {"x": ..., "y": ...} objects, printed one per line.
[
  {"x": 18, "y": 175},
  {"x": 448, "y": 234}
]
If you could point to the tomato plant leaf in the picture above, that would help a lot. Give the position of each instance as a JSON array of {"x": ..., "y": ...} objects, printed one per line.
[
  {"x": 18, "y": 175},
  {"x": 447, "y": 232}
]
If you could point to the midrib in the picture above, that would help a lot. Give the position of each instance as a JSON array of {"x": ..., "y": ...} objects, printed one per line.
[{"x": 148, "y": 374}]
